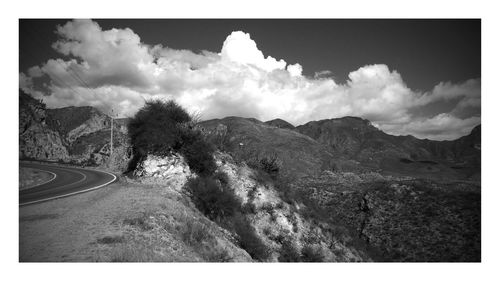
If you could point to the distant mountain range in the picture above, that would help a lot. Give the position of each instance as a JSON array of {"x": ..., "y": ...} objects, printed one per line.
[
  {"x": 352, "y": 144},
  {"x": 81, "y": 134}
]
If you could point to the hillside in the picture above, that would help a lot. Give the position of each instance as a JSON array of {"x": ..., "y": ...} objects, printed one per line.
[
  {"x": 280, "y": 123},
  {"x": 251, "y": 138},
  {"x": 399, "y": 219},
  {"x": 329, "y": 190},
  {"x": 36, "y": 139},
  {"x": 79, "y": 135},
  {"x": 359, "y": 140}
]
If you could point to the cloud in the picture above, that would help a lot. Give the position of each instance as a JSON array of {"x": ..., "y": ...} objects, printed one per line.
[
  {"x": 322, "y": 74},
  {"x": 114, "y": 69},
  {"x": 443, "y": 126},
  {"x": 240, "y": 48}
]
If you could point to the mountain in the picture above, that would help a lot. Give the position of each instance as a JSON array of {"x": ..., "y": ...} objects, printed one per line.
[
  {"x": 71, "y": 134},
  {"x": 359, "y": 140},
  {"x": 81, "y": 134},
  {"x": 329, "y": 190},
  {"x": 247, "y": 138},
  {"x": 280, "y": 123},
  {"x": 36, "y": 139}
]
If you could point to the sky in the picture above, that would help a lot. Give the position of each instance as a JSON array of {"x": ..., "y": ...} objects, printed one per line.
[{"x": 418, "y": 77}]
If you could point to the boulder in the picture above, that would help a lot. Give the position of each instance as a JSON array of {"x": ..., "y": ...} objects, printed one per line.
[{"x": 172, "y": 170}]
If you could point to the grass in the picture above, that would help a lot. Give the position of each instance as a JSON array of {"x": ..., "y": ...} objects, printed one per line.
[
  {"x": 194, "y": 233},
  {"x": 136, "y": 253},
  {"x": 140, "y": 221},
  {"x": 29, "y": 177}
]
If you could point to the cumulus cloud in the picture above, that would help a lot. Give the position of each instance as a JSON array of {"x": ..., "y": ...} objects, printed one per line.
[
  {"x": 114, "y": 69},
  {"x": 240, "y": 48},
  {"x": 443, "y": 126}
]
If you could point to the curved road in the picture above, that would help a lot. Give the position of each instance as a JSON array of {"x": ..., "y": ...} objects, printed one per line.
[{"x": 68, "y": 181}]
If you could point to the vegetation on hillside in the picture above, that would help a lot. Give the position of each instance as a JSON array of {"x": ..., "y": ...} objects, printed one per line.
[{"x": 162, "y": 127}]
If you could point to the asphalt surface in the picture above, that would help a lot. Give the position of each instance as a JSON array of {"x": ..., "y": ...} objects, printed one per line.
[{"x": 68, "y": 181}]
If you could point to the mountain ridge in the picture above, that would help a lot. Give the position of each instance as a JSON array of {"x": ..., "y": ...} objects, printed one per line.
[{"x": 348, "y": 143}]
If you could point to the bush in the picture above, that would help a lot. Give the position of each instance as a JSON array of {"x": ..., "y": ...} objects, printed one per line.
[
  {"x": 221, "y": 138},
  {"x": 269, "y": 163},
  {"x": 161, "y": 127},
  {"x": 198, "y": 153},
  {"x": 213, "y": 199},
  {"x": 312, "y": 254},
  {"x": 249, "y": 240},
  {"x": 157, "y": 127},
  {"x": 194, "y": 233},
  {"x": 288, "y": 253}
]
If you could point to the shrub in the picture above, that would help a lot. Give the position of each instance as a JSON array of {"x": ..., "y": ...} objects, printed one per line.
[
  {"x": 266, "y": 162},
  {"x": 222, "y": 178},
  {"x": 221, "y": 138},
  {"x": 194, "y": 233},
  {"x": 157, "y": 127},
  {"x": 312, "y": 254},
  {"x": 161, "y": 127},
  {"x": 198, "y": 153},
  {"x": 212, "y": 198},
  {"x": 249, "y": 240},
  {"x": 288, "y": 253},
  {"x": 270, "y": 163}
]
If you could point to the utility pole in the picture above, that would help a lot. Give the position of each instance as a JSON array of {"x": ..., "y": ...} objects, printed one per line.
[{"x": 111, "y": 144}]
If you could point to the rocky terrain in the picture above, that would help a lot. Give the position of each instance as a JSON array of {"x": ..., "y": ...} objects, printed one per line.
[
  {"x": 79, "y": 135},
  {"x": 36, "y": 139},
  {"x": 400, "y": 219},
  {"x": 329, "y": 190}
]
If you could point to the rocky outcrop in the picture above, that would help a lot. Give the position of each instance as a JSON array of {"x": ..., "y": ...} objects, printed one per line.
[
  {"x": 170, "y": 170},
  {"x": 73, "y": 122},
  {"x": 79, "y": 135},
  {"x": 280, "y": 225},
  {"x": 36, "y": 139}
]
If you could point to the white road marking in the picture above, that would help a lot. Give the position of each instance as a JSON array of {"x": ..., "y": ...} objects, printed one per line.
[{"x": 73, "y": 193}]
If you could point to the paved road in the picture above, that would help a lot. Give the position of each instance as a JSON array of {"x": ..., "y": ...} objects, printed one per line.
[{"x": 68, "y": 181}]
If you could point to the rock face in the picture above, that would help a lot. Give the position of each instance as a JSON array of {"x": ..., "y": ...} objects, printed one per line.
[
  {"x": 79, "y": 135},
  {"x": 73, "y": 122},
  {"x": 36, "y": 139},
  {"x": 172, "y": 170}
]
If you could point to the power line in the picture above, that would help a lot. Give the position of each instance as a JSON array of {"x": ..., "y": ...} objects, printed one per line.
[
  {"x": 52, "y": 74},
  {"x": 75, "y": 77}
]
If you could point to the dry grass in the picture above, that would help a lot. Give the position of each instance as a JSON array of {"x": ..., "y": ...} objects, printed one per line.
[
  {"x": 32, "y": 177},
  {"x": 124, "y": 222}
]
